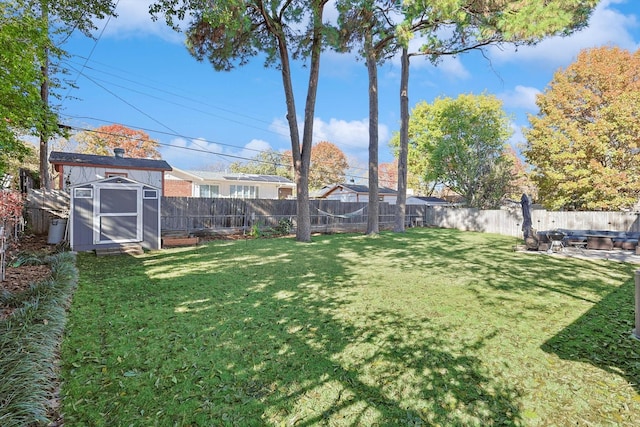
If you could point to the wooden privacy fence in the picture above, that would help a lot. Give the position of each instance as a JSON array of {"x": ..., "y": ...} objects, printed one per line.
[
  {"x": 43, "y": 206},
  {"x": 509, "y": 221},
  {"x": 192, "y": 215}
]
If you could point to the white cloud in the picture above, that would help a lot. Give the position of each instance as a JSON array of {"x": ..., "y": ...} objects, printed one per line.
[
  {"x": 348, "y": 135},
  {"x": 607, "y": 26},
  {"x": 520, "y": 97},
  {"x": 352, "y": 137},
  {"x": 191, "y": 154},
  {"x": 253, "y": 147},
  {"x": 134, "y": 20}
]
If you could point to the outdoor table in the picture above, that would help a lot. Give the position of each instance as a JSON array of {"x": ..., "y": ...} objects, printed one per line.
[{"x": 600, "y": 241}]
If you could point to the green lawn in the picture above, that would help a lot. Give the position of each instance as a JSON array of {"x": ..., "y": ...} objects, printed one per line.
[{"x": 429, "y": 327}]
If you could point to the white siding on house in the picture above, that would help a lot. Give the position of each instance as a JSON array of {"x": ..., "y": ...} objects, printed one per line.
[
  {"x": 228, "y": 186},
  {"x": 81, "y": 174},
  {"x": 350, "y": 196}
]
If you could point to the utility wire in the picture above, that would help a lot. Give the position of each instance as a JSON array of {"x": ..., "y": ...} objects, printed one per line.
[
  {"x": 93, "y": 48},
  {"x": 202, "y": 150}
]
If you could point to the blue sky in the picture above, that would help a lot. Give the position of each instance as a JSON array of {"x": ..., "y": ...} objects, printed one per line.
[{"x": 138, "y": 73}]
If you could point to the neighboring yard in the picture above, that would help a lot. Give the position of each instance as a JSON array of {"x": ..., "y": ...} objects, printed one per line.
[{"x": 429, "y": 327}]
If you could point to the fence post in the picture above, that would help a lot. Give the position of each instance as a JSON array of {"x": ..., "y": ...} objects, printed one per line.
[{"x": 636, "y": 331}]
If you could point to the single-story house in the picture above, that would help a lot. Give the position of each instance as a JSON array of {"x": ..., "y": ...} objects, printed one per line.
[
  {"x": 75, "y": 169},
  {"x": 180, "y": 183},
  {"x": 354, "y": 193}
]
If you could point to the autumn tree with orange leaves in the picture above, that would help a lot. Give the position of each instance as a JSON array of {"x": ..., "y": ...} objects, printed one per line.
[
  {"x": 388, "y": 174},
  {"x": 583, "y": 144},
  {"x": 328, "y": 165},
  {"x": 102, "y": 141}
]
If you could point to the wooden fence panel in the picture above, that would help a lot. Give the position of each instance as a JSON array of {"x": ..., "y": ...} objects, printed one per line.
[
  {"x": 193, "y": 214},
  {"x": 42, "y": 206}
]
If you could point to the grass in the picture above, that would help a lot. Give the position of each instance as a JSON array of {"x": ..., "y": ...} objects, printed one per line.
[
  {"x": 429, "y": 327},
  {"x": 29, "y": 342}
]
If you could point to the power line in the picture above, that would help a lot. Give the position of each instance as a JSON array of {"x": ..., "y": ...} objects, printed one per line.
[
  {"x": 284, "y": 132},
  {"x": 202, "y": 150},
  {"x": 93, "y": 48}
]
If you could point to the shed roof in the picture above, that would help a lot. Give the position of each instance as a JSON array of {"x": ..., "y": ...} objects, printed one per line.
[{"x": 63, "y": 158}]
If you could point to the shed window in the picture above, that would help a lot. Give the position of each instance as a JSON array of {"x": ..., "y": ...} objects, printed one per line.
[
  {"x": 111, "y": 174},
  {"x": 82, "y": 193},
  {"x": 150, "y": 194}
]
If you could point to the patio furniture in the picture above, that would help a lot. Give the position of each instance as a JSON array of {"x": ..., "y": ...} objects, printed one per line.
[{"x": 600, "y": 241}]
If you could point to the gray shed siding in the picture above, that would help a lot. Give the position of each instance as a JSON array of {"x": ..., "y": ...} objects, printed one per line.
[{"x": 110, "y": 212}]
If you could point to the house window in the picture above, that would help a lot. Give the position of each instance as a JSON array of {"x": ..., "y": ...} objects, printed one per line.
[
  {"x": 209, "y": 190},
  {"x": 244, "y": 192}
]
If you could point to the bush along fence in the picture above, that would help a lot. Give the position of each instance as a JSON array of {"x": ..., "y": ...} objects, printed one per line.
[
  {"x": 199, "y": 216},
  {"x": 11, "y": 222}
]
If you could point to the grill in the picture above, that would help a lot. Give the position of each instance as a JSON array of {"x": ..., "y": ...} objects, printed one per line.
[
  {"x": 556, "y": 240},
  {"x": 555, "y": 236}
]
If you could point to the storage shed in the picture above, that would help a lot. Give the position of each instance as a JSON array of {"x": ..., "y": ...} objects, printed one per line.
[{"x": 112, "y": 212}]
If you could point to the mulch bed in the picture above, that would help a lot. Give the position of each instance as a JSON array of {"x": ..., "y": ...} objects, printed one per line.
[{"x": 18, "y": 279}]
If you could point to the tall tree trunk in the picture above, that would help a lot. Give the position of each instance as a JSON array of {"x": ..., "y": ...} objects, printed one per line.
[
  {"x": 401, "y": 200},
  {"x": 373, "y": 226},
  {"x": 45, "y": 179},
  {"x": 301, "y": 178},
  {"x": 302, "y": 153}
]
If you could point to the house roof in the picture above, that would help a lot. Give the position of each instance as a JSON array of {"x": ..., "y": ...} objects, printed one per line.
[
  {"x": 63, "y": 158},
  {"x": 354, "y": 188},
  {"x": 244, "y": 177},
  {"x": 429, "y": 199}
]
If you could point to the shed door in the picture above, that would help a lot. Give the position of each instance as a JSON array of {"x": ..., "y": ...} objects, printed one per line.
[{"x": 117, "y": 214}]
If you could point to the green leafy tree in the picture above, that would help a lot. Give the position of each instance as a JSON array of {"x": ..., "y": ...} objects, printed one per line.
[
  {"x": 584, "y": 142},
  {"x": 462, "y": 142},
  {"x": 449, "y": 27},
  {"x": 31, "y": 33},
  {"x": 59, "y": 19},
  {"x": 269, "y": 162},
  {"x": 22, "y": 43}
]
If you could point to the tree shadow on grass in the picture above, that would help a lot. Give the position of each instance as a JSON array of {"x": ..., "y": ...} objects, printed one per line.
[
  {"x": 279, "y": 334},
  {"x": 603, "y": 337}
]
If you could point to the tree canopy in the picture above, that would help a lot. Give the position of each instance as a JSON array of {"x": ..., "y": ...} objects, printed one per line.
[
  {"x": 29, "y": 50},
  {"x": 102, "y": 141},
  {"x": 328, "y": 165},
  {"x": 447, "y": 27},
  {"x": 460, "y": 143},
  {"x": 269, "y": 162},
  {"x": 231, "y": 32},
  {"x": 583, "y": 144},
  {"x": 22, "y": 43}
]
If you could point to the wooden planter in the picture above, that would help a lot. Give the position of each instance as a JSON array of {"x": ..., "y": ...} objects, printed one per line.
[{"x": 171, "y": 242}]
